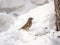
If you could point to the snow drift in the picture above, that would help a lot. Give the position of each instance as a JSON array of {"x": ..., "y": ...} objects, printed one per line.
[{"x": 5, "y": 21}]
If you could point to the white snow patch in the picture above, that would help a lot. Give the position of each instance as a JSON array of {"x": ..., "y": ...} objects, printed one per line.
[{"x": 5, "y": 21}]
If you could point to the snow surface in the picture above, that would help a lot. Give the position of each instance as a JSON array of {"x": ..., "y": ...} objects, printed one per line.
[
  {"x": 28, "y": 5},
  {"x": 5, "y": 21},
  {"x": 11, "y": 3},
  {"x": 43, "y": 17},
  {"x": 39, "y": 2},
  {"x": 20, "y": 6}
]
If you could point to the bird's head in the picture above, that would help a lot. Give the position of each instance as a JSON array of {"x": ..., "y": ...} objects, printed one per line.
[{"x": 30, "y": 18}]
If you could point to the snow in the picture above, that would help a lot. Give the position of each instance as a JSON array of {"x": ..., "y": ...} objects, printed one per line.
[
  {"x": 19, "y": 6},
  {"x": 43, "y": 17},
  {"x": 11, "y": 3},
  {"x": 24, "y": 9},
  {"x": 5, "y": 21},
  {"x": 39, "y": 2}
]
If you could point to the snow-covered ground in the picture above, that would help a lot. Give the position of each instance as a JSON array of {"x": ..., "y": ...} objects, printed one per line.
[
  {"x": 20, "y": 6},
  {"x": 43, "y": 17},
  {"x": 5, "y": 21}
]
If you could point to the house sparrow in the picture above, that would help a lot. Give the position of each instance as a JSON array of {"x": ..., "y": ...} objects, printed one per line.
[{"x": 27, "y": 25}]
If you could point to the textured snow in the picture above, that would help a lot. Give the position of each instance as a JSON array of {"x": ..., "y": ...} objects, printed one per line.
[
  {"x": 5, "y": 21},
  {"x": 28, "y": 5},
  {"x": 39, "y": 2},
  {"x": 19, "y": 6},
  {"x": 11, "y": 3}
]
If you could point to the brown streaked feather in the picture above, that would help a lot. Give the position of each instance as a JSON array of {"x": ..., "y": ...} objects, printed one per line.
[{"x": 28, "y": 24}]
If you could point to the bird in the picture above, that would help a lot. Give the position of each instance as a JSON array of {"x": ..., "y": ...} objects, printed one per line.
[{"x": 27, "y": 25}]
